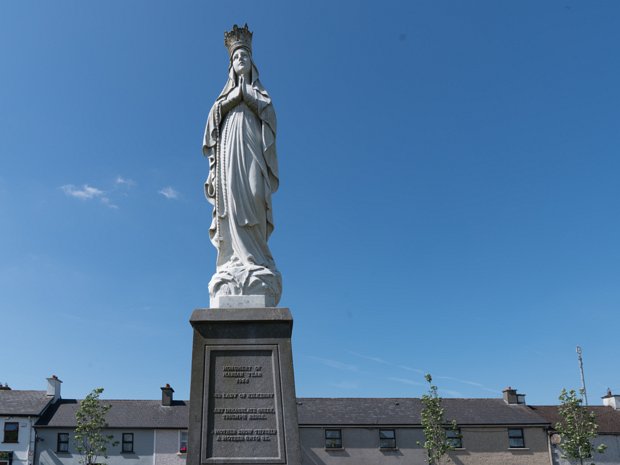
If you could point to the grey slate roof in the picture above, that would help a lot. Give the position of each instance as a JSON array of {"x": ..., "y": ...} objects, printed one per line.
[
  {"x": 406, "y": 411},
  {"x": 311, "y": 412},
  {"x": 123, "y": 414},
  {"x": 23, "y": 403},
  {"x": 607, "y": 419}
]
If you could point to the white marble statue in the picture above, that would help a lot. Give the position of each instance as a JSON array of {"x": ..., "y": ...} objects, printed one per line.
[{"x": 239, "y": 141}]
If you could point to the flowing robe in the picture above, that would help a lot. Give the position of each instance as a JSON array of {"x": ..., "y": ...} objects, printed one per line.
[{"x": 243, "y": 175}]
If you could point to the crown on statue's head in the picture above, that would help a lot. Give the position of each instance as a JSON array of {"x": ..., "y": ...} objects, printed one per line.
[{"x": 238, "y": 37}]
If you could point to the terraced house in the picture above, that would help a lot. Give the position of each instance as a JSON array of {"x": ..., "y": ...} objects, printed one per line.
[
  {"x": 608, "y": 421},
  {"x": 388, "y": 431},
  {"x": 347, "y": 431},
  {"x": 19, "y": 410},
  {"x": 145, "y": 432}
]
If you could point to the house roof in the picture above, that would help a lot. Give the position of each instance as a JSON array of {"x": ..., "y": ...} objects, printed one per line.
[
  {"x": 406, "y": 411},
  {"x": 333, "y": 411},
  {"x": 123, "y": 414},
  {"x": 607, "y": 419},
  {"x": 23, "y": 403}
]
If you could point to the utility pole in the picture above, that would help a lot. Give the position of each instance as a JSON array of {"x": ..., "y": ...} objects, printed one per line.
[{"x": 583, "y": 379}]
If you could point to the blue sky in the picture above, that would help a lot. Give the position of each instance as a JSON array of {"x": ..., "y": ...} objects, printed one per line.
[{"x": 449, "y": 198}]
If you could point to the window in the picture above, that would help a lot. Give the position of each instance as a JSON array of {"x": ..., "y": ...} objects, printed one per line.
[
  {"x": 333, "y": 439},
  {"x": 183, "y": 442},
  {"x": 127, "y": 443},
  {"x": 387, "y": 439},
  {"x": 454, "y": 438},
  {"x": 11, "y": 432},
  {"x": 515, "y": 438},
  {"x": 62, "y": 442},
  {"x": 6, "y": 457}
]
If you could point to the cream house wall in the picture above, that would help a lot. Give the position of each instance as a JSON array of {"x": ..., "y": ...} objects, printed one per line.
[
  {"x": 490, "y": 446},
  {"x": 360, "y": 447},
  {"x": 481, "y": 446}
]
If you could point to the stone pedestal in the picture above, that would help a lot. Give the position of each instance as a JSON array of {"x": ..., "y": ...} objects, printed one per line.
[{"x": 243, "y": 407}]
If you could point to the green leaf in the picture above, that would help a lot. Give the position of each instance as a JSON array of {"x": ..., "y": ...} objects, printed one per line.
[
  {"x": 577, "y": 427},
  {"x": 434, "y": 424},
  {"x": 91, "y": 443}
]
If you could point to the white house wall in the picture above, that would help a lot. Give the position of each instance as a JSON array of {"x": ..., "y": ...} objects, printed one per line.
[
  {"x": 611, "y": 456},
  {"x": 23, "y": 449},
  {"x": 167, "y": 448},
  {"x": 142, "y": 446}
]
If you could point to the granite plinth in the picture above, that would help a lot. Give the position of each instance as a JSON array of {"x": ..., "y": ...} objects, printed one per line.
[{"x": 242, "y": 399}]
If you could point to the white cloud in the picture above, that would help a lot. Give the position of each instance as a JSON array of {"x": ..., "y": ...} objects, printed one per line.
[
  {"x": 106, "y": 201},
  {"x": 335, "y": 364},
  {"x": 475, "y": 384},
  {"x": 385, "y": 362},
  {"x": 87, "y": 192},
  {"x": 125, "y": 181},
  {"x": 450, "y": 393},
  {"x": 372, "y": 359},
  {"x": 470, "y": 383},
  {"x": 415, "y": 370},
  {"x": 169, "y": 193},
  {"x": 346, "y": 385},
  {"x": 405, "y": 381},
  {"x": 83, "y": 193}
]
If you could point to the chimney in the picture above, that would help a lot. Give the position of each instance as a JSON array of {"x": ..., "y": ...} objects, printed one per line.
[
  {"x": 512, "y": 397},
  {"x": 166, "y": 395},
  {"x": 611, "y": 400},
  {"x": 53, "y": 387}
]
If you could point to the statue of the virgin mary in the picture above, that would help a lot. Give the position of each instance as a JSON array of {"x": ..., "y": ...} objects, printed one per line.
[{"x": 239, "y": 141}]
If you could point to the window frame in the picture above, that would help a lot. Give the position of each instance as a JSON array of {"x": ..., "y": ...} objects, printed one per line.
[
  {"x": 333, "y": 443},
  {"x": 520, "y": 435},
  {"x": 127, "y": 445},
  {"x": 6, "y": 457},
  {"x": 392, "y": 443},
  {"x": 456, "y": 441},
  {"x": 181, "y": 433},
  {"x": 6, "y": 430},
  {"x": 60, "y": 442}
]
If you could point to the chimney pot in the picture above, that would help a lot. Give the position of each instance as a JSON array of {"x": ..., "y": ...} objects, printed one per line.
[
  {"x": 611, "y": 400},
  {"x": 512, "y": 397},
  {"x": 53, "y": 387},
  {"x": 166, "y": 395}
]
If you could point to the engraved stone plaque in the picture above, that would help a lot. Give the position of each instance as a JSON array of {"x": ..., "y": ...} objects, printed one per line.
[{"x": 242, "y": 417}]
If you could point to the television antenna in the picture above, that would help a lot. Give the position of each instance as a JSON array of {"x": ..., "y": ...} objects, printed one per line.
[{"x": 583, "y": 379}]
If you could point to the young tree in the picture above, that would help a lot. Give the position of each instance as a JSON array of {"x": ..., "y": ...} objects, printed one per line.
[
  {"x": 90, "y": 441},
  {"x": 577, "y": 428},
  {"x": 436, "y": 442}
]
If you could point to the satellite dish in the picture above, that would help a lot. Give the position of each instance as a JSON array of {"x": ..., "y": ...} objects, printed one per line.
[{"x": 556, "y": 439}]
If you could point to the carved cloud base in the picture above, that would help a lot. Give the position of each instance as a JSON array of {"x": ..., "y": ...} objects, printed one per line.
[{"x": 239, "y": 280}]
